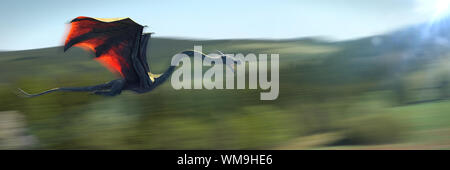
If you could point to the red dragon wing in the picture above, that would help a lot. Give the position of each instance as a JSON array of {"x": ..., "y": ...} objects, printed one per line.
[{"x": 114, "y": 41}]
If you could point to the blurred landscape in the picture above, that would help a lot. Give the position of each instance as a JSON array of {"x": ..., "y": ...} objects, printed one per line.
[{"x": 388, "y": 91}]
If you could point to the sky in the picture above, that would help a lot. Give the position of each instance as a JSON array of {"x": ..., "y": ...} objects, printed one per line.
[{"x": 37, "y": 24}]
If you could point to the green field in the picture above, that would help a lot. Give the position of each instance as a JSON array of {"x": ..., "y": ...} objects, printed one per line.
[{"x": 333, "y": 95}]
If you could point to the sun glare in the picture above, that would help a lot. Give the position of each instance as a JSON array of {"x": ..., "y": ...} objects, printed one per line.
[
  {"x": 441, "y": 8},
  {"x": 437, "y": 9}
]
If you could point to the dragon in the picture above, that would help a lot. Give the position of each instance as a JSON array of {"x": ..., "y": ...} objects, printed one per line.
[{"x": 121, "y": 46}]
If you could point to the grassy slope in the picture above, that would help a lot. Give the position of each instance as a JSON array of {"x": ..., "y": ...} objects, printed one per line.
[{"x": 318, "y": 80}]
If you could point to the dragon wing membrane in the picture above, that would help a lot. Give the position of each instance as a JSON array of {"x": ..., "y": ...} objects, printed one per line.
[{"x": 112, "y": 40}]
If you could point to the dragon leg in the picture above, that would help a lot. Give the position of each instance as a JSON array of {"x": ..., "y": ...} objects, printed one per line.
[{"x": 115, "y": 89}]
